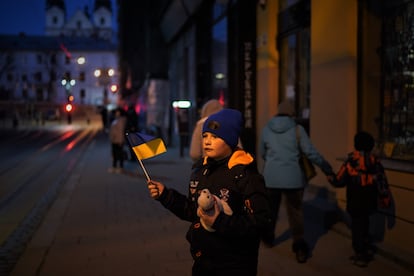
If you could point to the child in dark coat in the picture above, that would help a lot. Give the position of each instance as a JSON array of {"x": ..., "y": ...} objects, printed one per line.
[
  {"x": 221, "y": 242},
  {"x": 363, "y": 175}
]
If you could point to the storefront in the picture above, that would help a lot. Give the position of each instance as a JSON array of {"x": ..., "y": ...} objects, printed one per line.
[
  {"x": 348, "y": 65},
  {"x": 213, "y": 56}
]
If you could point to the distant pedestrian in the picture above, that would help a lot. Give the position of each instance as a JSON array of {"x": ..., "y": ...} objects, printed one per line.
[
  {"x": 196, "y": 145},
  {"x": 280, "y": 148},
  {"x": 16, "y": 118},
  {"x": 131, "y": 126},
  {"x": 104, "y": 117},
  {"x": 224, "y": 239},
  {"x": 366, "y": 185},
  {"x": 117, "y": 139}
]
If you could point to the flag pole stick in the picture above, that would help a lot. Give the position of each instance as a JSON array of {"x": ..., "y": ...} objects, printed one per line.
[{"x": 143, "y": 168}]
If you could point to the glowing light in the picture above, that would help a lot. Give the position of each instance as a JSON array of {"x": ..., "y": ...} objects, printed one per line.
[
  {"x": 181, "y": 104},
  {"x": 81, "y": 60},
  {"x": 220, "y": 76},
  {"x": 114, "y": 88},
  {"x": 69, "y": 107},
  {"x": 97, "y": 73}
]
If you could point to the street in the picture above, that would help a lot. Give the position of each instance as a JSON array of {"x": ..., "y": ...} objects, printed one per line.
[{"x": 104, "y": 223}]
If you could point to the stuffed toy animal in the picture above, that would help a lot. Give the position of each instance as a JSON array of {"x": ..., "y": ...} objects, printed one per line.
[{"x": 206, "y": 203}]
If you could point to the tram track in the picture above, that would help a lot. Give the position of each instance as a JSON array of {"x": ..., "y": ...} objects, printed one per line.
[{"x": 34, "y": 183}]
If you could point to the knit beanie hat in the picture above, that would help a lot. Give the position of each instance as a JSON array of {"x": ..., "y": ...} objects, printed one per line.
[
  {"x": 363, "y": 141},
  {"x": 286, "y": 107},
  {"x": 226, "y": 124}
]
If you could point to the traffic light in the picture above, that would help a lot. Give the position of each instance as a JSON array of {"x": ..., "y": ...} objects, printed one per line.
[
  {"x": 68, "y": 107},
  {"x": 114, "y": 88}
]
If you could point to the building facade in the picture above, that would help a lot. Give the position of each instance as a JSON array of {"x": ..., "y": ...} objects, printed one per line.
[
  {"x": 75, "y": 60},
  {"x": 346, "y": 64}
]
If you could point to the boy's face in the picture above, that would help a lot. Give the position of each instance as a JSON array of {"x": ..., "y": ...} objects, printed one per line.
[{"x": 215, "y": 147}]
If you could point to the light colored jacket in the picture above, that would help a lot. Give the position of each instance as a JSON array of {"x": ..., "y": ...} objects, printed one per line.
[
  {"x": 117, "y": 131},
  {"x": 278, "y": 147}
]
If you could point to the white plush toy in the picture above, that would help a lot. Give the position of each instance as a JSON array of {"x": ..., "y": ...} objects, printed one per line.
[{"x": 206, "y": 203}]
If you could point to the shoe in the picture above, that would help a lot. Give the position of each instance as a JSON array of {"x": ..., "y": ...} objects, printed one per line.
[
  {"x": 111, "y": 170},
  {"x": 301, "y": 249},
  {"x": 119, "y": 170},
  {"x": 359, "y": 260},
  {"x": 301, "y": 256}
]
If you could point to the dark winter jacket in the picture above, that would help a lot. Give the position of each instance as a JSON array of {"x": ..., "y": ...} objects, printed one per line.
[
  {"x": 364, "y": 176},
  {"x": 235, "y": 243}
]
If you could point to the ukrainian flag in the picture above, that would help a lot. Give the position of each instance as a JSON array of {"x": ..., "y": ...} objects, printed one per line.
[{"x": 145, "y": 146}]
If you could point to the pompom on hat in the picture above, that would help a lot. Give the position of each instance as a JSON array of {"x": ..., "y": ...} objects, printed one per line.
[{"x": 226, "y": 124}]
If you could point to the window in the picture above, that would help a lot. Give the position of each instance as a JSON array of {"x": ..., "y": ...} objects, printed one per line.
[
  {"x": 52, "y": 75},
  {"x": 67, "y": 75},
  {"x": 53, "y": 59},
  {"x": 82, "y": 76},
  {"x": 38, "y": 76},
  {"x": 386, "y": 74},
  {"x": 294, "y": 50},
  {"x": 39, "y": 94}
]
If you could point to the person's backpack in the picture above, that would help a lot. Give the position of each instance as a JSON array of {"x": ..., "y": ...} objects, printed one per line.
[{"x": 369, "y": 171}]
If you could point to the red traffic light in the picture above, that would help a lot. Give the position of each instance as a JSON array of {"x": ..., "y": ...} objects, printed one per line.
[
  {"x": 114, "y": 88},
  {"x": 68, "y": 107}
]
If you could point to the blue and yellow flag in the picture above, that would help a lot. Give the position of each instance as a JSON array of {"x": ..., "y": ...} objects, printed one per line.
[{"x": 145, "y": 146}]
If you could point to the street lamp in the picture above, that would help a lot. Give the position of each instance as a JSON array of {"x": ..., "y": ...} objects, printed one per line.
[
  {"x": 67, "y": 82},
  {"x": 104, "y": 76}
]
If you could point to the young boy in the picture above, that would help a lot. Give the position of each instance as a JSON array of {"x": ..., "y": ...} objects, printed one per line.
[
  {"x": 231, "y": 175},
  {"x": 363, "y": 175}
]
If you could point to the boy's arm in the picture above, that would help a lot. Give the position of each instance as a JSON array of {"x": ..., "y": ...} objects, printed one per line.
[{"x": 341, "y": 178}]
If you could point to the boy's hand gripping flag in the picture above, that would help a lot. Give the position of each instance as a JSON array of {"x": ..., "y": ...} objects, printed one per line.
[{"x": 145, "y": 146}]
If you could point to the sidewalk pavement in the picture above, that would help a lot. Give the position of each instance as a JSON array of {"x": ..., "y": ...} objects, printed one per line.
[{"x": 106, "y": 224}]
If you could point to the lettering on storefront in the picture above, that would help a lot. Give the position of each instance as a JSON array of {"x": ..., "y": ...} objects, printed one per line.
[{"x": 248, "y": 84}]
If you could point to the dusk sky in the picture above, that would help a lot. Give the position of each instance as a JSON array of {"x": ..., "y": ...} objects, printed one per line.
[{"x": 29, "y": 15}]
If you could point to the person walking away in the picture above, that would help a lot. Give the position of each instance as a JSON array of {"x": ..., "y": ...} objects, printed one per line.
[
  {"x": 117, "y": 139},
  {"x": 196, "y": 146},
  {"x": 104, "y": 117},
  {"x": 224, "y": 238},
  {"x": 364, "y": 178},
  {"x": 131, "y": 126},
  {"x": 283, "y": 175}
]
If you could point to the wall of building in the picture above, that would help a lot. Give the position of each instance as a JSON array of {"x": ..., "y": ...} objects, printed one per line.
[
  {"x": 343, "y": 101},
  {"x": 337, "y": 111},
  {"x": 267, "y": 67}
]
